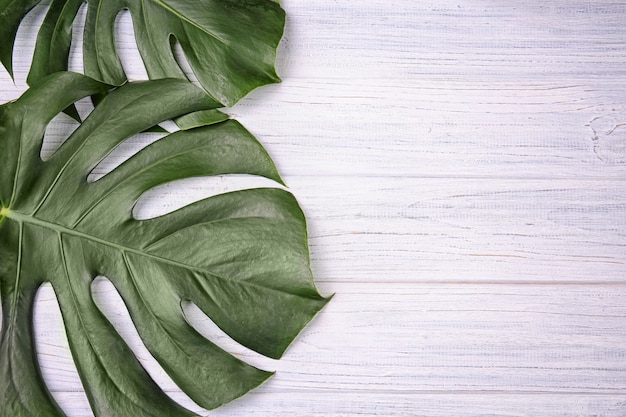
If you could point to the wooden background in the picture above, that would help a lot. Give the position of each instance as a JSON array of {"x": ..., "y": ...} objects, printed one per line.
[{"x": 462, "y": 166}]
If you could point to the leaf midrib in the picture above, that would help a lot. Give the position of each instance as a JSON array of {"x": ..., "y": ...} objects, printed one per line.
[{"x": 23, "y": 218}]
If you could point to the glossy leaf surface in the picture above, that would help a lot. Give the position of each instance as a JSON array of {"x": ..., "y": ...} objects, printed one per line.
[
  {"x": 229, "y": 44},
  {"x": 241, "y": 257}
]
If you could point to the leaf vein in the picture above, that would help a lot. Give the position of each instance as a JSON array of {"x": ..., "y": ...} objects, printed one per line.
[
  {"x": 126, "y": 179},
  {"x": 84, "y": 327},
  {"x": 224, "y": 219},
  {"x": 186, "y": 19},
  {"x": 55, "y": 31},
  {"x": 17, "y": 171},
  {"x": 150, "y": 311},
  {"x": 18, "y": 275},
  {"x": 76, "y": 152}
]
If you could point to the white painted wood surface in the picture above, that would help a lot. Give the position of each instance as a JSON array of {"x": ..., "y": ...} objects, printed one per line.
[{"x": 463, "y": 168}]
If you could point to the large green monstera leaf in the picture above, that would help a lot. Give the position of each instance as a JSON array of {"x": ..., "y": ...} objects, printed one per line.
[
  {"x": 229, "y": 44},
  {"x": 241, "y": 257}
]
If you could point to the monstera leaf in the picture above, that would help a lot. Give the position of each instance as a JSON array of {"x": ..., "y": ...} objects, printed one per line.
[
  {"x": 229, "y": 44},
  {"x": 241, "y": 257}
]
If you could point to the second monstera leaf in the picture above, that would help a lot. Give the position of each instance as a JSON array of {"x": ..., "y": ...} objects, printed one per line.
[
  {"x": 241, "y": 257},
  {"x": 229, "y": 44}
]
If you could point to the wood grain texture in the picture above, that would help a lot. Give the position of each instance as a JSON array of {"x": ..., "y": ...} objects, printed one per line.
[
  {"x": 463, "y": 168},
  {"x": 413, "y": 341},
  {"x": 375, "y": 229}
]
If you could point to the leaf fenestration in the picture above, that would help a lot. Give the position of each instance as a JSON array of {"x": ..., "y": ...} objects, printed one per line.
[
  {"x": 241, "y": 257},
  {"x": 229, "y": 44}
]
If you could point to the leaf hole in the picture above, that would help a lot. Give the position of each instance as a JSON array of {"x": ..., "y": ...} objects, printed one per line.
[
  {"x": 209, "y": 330},
  {"x": 181, "y": 59},
  {"x": 169, "y": 125},
  {"x": 174, "y": 195},
  {"x": 22, "y": 53},
  {"x": 75, "y": 59},
  {"x": 62, "y": 126},
  {"x": 54, "y": 356},
  {"x": 112, "y": 306},
  {"x": 126, "y": 47},
  {"x": 58, "y": 130},
  {"x": 84, "y": 106},
  {"x": 122, "y": 153}
]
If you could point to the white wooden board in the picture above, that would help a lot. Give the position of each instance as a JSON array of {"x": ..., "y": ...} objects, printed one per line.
[
  {"x": 463, "y": 168},
  {"x": 412, "y": 343}
]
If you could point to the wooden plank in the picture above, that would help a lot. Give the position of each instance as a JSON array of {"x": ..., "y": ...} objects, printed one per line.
[
  {"x": 469, "y": 130},
  {"x": 468, "y": 230},
  {"x": 546, "y": 124},
  {"x": 430, "y": 40},
  {"x": 436, "y": 229},
  {"x": 455, "y": 39},
  {"x": 348, "y": 404},
  {"x": 395, "y": 127},
  {"x": 417, "y": 344}
]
